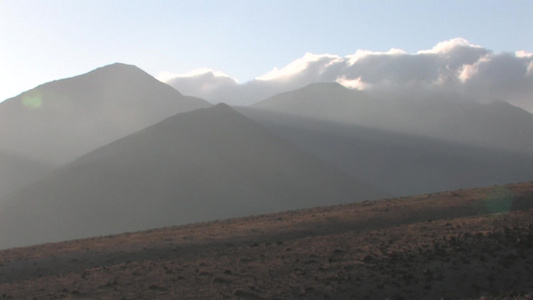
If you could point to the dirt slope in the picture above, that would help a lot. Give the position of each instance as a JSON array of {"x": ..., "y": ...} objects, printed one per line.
[{"x": 463, "y": 244}]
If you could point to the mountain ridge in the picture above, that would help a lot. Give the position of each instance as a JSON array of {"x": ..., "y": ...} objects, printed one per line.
[
  {"x": 58, "y": 121},
  {"x": 442, "y": 116},
  {"x": 206, "y": 164},
  {"x": 118, "y": 94},
  {"x": 398, "y": 163}
]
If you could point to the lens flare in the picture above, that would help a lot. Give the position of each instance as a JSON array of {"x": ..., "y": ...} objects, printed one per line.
[
  {"x": 499, "y": 200},
  {"x": 32, "y": 101}
]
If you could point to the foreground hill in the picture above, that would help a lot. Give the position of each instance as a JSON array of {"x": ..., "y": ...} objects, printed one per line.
[
  {"x": 59, "y": 121},
  {"x": 439, "y": 116},
  {"x": 197, "y": 166},
  {"x": 401, "y": 164},
  {"x": 464, "y": 244}
]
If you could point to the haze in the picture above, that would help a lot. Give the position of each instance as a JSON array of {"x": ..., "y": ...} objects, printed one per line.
[{"x": 266, "y": 149}]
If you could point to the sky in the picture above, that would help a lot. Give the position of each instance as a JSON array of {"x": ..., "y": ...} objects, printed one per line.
[{"x": 41, "y": 41}]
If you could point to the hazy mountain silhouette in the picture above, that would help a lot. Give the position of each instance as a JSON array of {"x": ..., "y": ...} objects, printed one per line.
[
  {"x": 59, "y": 121},
  {"x": 398, "y": 163},
  {"x": 16, "y": 170},
  {"x": 439, "y": 116},
  {"x": 202, "y": 165}
]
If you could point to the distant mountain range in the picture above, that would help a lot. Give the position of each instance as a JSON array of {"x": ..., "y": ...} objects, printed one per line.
[
  {"x": 116, "y": 150},
  {"x": 439, "y": 116}
]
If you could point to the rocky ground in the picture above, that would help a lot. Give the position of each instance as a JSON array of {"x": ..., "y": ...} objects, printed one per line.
[{"x": 468, "y": 244}]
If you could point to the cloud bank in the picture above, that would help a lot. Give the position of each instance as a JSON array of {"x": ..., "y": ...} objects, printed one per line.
[{"x": 455, "y": 66}]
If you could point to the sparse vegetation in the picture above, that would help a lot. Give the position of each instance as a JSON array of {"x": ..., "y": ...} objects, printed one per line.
[{"x": 375, "y": 250}]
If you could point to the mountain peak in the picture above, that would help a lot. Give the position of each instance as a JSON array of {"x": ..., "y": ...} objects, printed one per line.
[
  {"x": 315, "y": 92},
  {"x": 119, "y": 66},
  {"x": 119, "y": 69},
  {"x": 88, "y": 110},
  {"x": 222, "y": 107}
]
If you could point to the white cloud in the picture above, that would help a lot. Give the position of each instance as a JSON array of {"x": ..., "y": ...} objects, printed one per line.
[
  {"x": 455, "y": 65},
  {"x": 527, "y": 56},
  {"x": 449, "y": 45},
  {"x": 359, "y": 54},
  {"x": 467, "y": 71},
  {"x": 356, "y": 84},
  {"x": 523, "y": 54},
  {"x": 204, "y": 83},
  {"x": 502, "y": 77},
  {"x": 166, "y": 76},
  {"x": 300, "y": 65}
]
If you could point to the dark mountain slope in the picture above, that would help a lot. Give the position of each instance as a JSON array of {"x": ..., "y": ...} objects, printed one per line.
[
  {"x": 202, "y": 165},
  {"x": 438, "y": 116},
  {"x": 59, "y": 121},
  {"x": 17, "y": 170},
  {"x": 399, "y": 163}
]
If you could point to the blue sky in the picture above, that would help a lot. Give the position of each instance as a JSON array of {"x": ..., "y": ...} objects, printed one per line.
[{"x": 45, "y": 40}]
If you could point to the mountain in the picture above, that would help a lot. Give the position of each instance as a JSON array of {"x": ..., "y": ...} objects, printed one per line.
[
  {"x": 202, "y": 165},
  {"x": 59, "y": 121},
  {"x": 17, "y": 170},
  {"x": 438, "y": 116},
  {"x": 398, "y": 163}
]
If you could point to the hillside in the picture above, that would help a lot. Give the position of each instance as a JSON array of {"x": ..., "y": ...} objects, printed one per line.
[
  {"x": 401, "y": 164},
  {"x": 464, "y": 244},
  {"x": 202, "y": 165},
  {"x": 444, "y": 116},
  {"x": 17, "y": 170}
]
